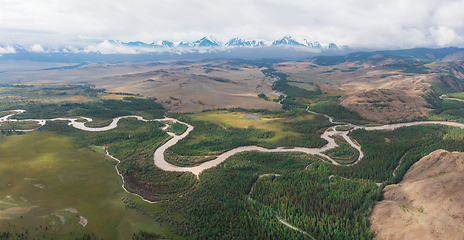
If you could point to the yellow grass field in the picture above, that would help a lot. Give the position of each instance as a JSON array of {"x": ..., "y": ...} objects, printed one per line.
[{"x": 240, "y": 120}]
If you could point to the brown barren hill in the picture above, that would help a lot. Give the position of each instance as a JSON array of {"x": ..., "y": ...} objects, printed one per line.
[
  {"x": 383, "y": 91},
  {"x": 426, "y": 204}
]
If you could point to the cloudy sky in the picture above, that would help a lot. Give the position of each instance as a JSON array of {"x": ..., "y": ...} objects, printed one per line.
[{"x": 358, "y": 23}]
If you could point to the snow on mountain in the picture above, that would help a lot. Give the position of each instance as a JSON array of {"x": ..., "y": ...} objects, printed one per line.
[
  {"x": 238, "y": 42},
  {"x": 166, "y": 43},
  {"x": 288, "y": 40},
  {"x": 203, "y": 45},
  {"x": 345, "y": 47},
  {"x": 114, "y": 42},
  {"x": 259, "y": 43},
  {"x": 207, "y": 42},
  {"x": 140, "y": 44},
  {"x": 159, "y": 44},
  {"x": 203, "y": 42},
  {"x": 332, "y": 46},
  {"x": 315, "y": 44},
  {"x": 185, "y": 44},
  {"x": 241, "y": 42},
  {"x": 234, "y": 42}
]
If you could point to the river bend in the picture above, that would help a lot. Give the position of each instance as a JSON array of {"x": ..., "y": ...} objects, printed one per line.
[{"x": 160, "y": 162}]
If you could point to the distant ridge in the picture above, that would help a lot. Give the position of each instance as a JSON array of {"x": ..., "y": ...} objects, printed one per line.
[
  {"x": 234, "y": 42},
  {"x": 209, "y": 47},
  {"x": 427, "y": 54},
  {"x": 208, "y": 44}
]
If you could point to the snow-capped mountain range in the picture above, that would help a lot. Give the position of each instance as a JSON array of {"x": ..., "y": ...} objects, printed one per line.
[
  {"x": 241, "y": 42},
  {"x": 234, "y": 42},
  {"x": 236, "y": 47}
]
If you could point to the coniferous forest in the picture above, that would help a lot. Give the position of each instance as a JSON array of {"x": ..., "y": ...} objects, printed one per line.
[{"x": 251, "y": 195}]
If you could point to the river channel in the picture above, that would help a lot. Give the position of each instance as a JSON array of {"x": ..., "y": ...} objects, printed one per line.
[{"x": 160, "y": 162}]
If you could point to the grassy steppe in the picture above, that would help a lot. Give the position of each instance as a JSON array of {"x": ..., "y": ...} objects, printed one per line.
[{"x": 47, "y": 185}]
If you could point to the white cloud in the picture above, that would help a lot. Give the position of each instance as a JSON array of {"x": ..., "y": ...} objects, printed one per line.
[
  {"x": 445, "y": 36},
  {"x": 360, "y": 23},
  {"x": 450, "y": 15},
  {"x": 108, "y": 48},
  {"x": 36, "y": 48},
  {"x": 7, "y": 49},
  {"x": 115, "y": 47}
]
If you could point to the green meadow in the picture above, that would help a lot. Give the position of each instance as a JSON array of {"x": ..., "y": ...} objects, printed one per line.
[
  {"x": 216, "y": 132},
  {"x": 52, "y": 189},
  {"x": 459, "y": 95},
  {"x": 19, "y": 125},
  {"x": 277, "y": 123},
  {"x": 303, "y": 85}
]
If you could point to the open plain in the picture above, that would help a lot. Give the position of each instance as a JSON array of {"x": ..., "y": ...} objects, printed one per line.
[{"x": 181, "y": 86}]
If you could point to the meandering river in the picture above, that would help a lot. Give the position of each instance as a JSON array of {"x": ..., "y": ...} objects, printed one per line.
[{"x": 160, "y": 162}]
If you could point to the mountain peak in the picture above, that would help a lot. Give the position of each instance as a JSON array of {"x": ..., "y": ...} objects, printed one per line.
[
  {"x": 241, "y": 42},
  {"x": 287, "y": 40},
  {"x": 166, "y": 43},
  {"x": 207, "y": 42},
  {"x": 210, "y": 41},
  {"x": 314, "y": 44}
]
